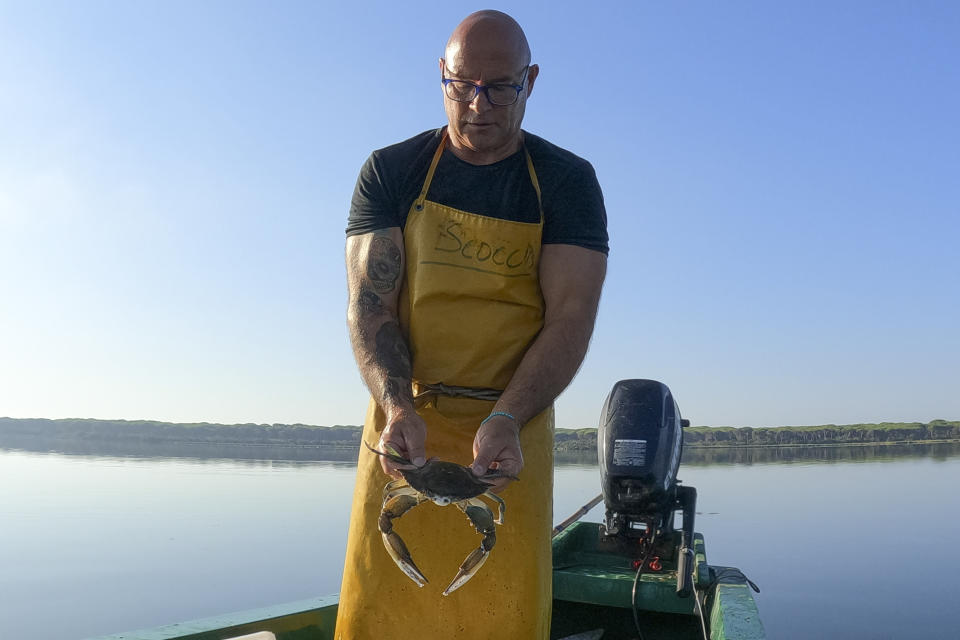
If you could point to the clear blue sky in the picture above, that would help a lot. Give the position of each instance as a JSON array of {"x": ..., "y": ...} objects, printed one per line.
[{"x": 782, "y": 184}]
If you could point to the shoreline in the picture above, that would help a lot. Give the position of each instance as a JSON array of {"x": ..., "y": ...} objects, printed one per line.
[{"x": 145, "y": 435}]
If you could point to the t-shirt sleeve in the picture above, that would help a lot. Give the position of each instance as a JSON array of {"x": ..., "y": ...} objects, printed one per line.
[
  {"x": 373, "y": 206},
  {"x": 574, "y": 211}
]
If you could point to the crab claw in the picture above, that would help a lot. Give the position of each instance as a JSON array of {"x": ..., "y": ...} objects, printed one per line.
[
  {"x": 394, "y": 507},
  {"x": 482, "y": 519},
  {"x": 401, "y": 556},
  {"x": 468, "y": 569}
]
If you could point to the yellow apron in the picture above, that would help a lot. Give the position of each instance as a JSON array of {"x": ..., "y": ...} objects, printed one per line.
[{"x": 471, "y": 306}]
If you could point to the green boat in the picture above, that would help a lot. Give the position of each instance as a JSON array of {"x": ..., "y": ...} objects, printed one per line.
[
  {"x": 635, "y": 576},
  {"x": 592, "y": 601}
]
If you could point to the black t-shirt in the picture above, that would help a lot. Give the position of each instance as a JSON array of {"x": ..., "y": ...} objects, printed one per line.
[{"x": 573, "y": 210}]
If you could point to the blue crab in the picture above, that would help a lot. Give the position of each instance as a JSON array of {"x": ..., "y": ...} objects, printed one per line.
[{"x": 442, "y": 483}]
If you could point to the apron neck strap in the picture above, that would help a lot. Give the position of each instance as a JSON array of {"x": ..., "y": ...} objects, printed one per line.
[
  {"x": 433, "y": 167},
  {"x": 436, "y": 160},
  {"x": 534, "y": 181}
]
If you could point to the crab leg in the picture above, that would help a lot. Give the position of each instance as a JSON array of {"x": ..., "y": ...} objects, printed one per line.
[
  {"x": 394, "y": 507},
  {"x": 396, "y": 488},
  {"x": 502, "y": 506},
  {"x": 482, "y": 519},
  {"x": 390, "y": 486}
]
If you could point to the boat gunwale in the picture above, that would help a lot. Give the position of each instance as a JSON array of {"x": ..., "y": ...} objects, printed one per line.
[{"x": 281, "y": 618}]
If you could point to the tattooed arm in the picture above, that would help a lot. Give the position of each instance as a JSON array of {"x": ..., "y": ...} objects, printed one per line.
[{"x": 375, "y": 267}]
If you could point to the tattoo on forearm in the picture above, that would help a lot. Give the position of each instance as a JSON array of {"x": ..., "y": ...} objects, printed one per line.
[
  {"x": 394, "y": 356},
  {"x": 369, "y": 303},
  {"x": 392, "y": 351},
  {"x": 383, "y": 265}
]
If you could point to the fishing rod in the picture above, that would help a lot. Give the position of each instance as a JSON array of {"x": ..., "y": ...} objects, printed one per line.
[{"x": 582, "y": 511}]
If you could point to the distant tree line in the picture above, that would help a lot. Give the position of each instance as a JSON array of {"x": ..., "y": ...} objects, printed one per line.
[
  {"x": 825, "y": 434},
  {"x": 13, "y": 431},
  {"x": 147, "y": 431},
  {"x": 884, "y": 432}
]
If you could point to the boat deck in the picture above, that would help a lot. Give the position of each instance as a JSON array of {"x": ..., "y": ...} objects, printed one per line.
[{"x": 570, "y": 618}]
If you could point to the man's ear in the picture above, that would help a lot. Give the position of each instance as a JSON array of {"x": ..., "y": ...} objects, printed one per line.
[{"x": 532, "y": 77}]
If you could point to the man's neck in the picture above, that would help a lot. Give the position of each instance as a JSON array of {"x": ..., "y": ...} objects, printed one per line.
[{"x": 472, "y": 156}]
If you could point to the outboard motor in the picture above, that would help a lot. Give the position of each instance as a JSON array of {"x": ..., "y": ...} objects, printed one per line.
[{"x": 639, "y": 442}]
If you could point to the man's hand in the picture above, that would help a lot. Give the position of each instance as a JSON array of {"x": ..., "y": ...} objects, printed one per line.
[
  {"x": 405, "y": 433},
  {"x": 497, "y": 445}
]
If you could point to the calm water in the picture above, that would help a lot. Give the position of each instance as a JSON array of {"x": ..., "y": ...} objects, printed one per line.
[{"x": 844, "y": 543}]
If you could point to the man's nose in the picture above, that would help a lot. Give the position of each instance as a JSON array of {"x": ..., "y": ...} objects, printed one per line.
[{"x": 481, "y": 102}]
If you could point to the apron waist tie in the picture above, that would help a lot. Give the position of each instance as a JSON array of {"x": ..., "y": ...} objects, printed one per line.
[{"x": 425, "y": 390}]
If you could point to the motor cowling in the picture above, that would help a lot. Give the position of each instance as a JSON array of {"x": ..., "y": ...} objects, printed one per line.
[{"x": 639, "y": 441}]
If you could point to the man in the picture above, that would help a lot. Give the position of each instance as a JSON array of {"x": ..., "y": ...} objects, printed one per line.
[{"x": 475, "y": 258}]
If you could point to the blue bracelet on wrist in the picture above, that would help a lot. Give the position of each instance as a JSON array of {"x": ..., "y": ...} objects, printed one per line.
[{"x": 499, "y": 413}]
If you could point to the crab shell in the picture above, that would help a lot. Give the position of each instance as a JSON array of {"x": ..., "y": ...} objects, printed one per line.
[
  {"x": 445, "y": 482},
  {"x": 440, "y": 481}
]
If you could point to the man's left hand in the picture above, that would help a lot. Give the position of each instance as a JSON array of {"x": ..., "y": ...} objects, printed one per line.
[{"x": 497, "y": 446}]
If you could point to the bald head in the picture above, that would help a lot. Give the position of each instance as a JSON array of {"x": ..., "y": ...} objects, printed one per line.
[
  {"x": 488, "y": 49},
  {"x": 488, "y": 33}
]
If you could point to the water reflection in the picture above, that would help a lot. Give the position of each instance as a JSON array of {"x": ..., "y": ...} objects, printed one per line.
[
  {"x": 804, "y": 454},
  {"x": 692, "y": 456},
  {"x": 201, "y": 452},
  {"x": 705, "y": 457}
]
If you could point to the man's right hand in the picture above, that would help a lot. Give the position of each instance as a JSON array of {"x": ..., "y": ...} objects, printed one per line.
[{"x": 406, "y": 434}]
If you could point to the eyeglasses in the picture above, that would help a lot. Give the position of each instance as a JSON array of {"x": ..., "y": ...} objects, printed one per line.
[{"x": 500, "y": 95}]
